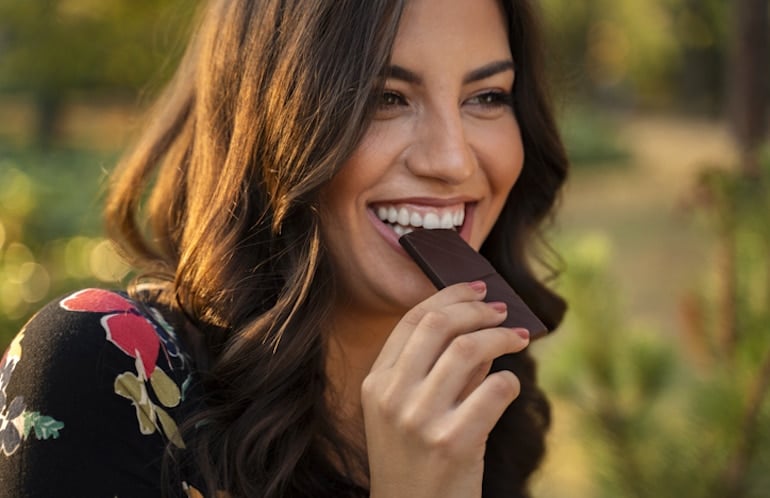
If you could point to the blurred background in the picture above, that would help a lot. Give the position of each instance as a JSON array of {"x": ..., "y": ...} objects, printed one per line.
[{"x": 659, "y": 377}]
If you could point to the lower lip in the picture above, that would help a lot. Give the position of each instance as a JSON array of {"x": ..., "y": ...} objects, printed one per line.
[{"x": 392, "y": 237}]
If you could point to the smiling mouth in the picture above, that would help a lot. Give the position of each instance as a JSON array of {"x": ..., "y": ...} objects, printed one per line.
[{"x": 404, "y": 219}]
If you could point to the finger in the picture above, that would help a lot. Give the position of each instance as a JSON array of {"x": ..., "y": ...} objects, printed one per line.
[
  {"x": 458, "y": 364},
  {"x": 438, "y": 329},
  {"x": 477, "y": 377},
  {"x": 481, "y": 410},
  {"x": 473, "y": 291}
]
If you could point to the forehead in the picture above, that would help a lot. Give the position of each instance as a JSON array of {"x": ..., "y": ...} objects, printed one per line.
[{"x": 459, "y": 26}]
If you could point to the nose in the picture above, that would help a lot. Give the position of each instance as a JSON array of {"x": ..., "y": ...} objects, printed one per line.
[{"x": 441, "y": 149}]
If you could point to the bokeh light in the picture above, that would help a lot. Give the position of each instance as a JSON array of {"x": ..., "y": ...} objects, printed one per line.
[
  {"x": 77, "y": 256},
  {"x": 14, "y": 259},
  {"x": 106, "y": 264},
  {"x": 16, "y": 191}
]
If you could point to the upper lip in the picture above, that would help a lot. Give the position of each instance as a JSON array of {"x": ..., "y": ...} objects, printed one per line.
[{"x": 427, "y": 201}]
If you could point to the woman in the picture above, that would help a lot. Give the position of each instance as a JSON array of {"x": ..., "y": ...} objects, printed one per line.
[{"x": 280, "y": 342}]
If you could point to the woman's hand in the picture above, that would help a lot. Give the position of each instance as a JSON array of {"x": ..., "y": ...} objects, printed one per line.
[{"x": 428, "y": 403}]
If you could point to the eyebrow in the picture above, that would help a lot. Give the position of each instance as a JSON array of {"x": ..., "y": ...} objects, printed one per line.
[{"x": 484, "y": 72}]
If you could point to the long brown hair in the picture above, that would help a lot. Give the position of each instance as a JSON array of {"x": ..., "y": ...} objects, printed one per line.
[{"x": 270, "y": 99}]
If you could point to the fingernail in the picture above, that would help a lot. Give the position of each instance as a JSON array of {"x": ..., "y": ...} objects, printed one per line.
[
  {"x": 479, "y": 286},
  {"x": 523, "y": 333},
  {"x": 498, "y": 306}
]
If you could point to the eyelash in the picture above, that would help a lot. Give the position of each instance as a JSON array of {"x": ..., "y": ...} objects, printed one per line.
[
  {"x": 494, "y": 98},
  {"x": 386, "y": 95},
  {"x": 490, "y": 99}
]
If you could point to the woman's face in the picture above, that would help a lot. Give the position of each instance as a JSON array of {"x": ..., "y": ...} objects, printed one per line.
[{"x": 444, "y": 151}]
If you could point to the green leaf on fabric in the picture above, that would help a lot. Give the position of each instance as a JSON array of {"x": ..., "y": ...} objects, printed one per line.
[{"x": 45, "y": 427}]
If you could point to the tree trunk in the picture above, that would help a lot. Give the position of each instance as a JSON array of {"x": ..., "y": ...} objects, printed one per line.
[
  {"x": 748, "y": 80},
  {"x": 48, "y": 113}
]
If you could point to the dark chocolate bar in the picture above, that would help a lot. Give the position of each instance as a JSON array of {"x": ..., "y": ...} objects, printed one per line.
[{"x": 447, "y": 260}]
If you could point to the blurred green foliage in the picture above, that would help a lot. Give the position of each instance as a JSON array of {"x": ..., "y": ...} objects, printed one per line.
[
  {"x": 53, "y": 50},
  {"x": 50, "y": 238},
  {"x": 651, "y": 53},
  {"x": 63, "y": 46},
  {"x": 591, "y": 138},
  {"x": 682, "y": 411},
  {"x": 626, "y": 52}
]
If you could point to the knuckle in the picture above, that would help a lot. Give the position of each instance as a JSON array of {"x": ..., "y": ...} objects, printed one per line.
[
  {"x": 413, "y": 316},
  {"x": 379, "y": 397},
  {"x": 388, "y": 405},
  {"x": 435, "y": 320},
  {"x": 369, "y": 387},
  {"x": 411, "y": 421},
  {"x": 443, "y": 440},
  {"x": 466, "y": 347}
]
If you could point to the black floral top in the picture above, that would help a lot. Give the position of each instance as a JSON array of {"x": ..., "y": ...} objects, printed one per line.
[{"x": 91, "y": 393}]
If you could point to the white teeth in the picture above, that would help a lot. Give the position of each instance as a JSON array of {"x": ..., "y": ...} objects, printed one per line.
[
  {"x": 392, "y": 214},
  {"x": 401, "y": 230},
  {"x": 447, "y": 221},
  {"x": 382, "y": 213},
  {"x": 459, "y": 218},
  {"x": 403, "y": 216},
  {"x": 404, "y": 219},
  {"x": 416, "y": 220},
  {"x": 431, "y": 221}
]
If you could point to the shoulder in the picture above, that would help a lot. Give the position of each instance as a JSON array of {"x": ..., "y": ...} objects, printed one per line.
[
  {"x": 103, "y": 375},
  {"x": 100, "y": 325}
]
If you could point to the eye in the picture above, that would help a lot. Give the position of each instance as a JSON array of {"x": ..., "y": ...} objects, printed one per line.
[
  {"x": 490, "y": 104},
  {"x": 390, "y": 105},
  {"x": 495, "y": 98},
  {"x": 391, "y": 99}
]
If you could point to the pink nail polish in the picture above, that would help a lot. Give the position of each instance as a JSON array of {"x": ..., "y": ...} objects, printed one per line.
[
  {"x": 523, "y": 333},
  {"x": 498, "y": 306},
  {"x": 479, "y": 286}
]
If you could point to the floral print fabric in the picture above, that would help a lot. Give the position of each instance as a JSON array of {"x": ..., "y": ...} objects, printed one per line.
[
  {"x": 16, "y": 422},
  {"x": 92, "y": 391},
  {"x": 139, "y": 338}
]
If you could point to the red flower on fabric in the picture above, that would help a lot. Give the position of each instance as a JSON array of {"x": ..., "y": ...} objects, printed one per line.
[
  {"x": 125, "y": 326},
  {"x": 135, "y": 335}
]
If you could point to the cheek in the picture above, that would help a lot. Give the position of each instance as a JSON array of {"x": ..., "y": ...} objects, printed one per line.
[
  {"x": 359, "y": 173},
  {"x": 339, "y": 195},
  {"x": 504, "y": 159}
]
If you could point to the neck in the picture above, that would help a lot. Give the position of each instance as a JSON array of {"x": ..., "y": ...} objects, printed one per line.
[{"x": 355, "y": 339}]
